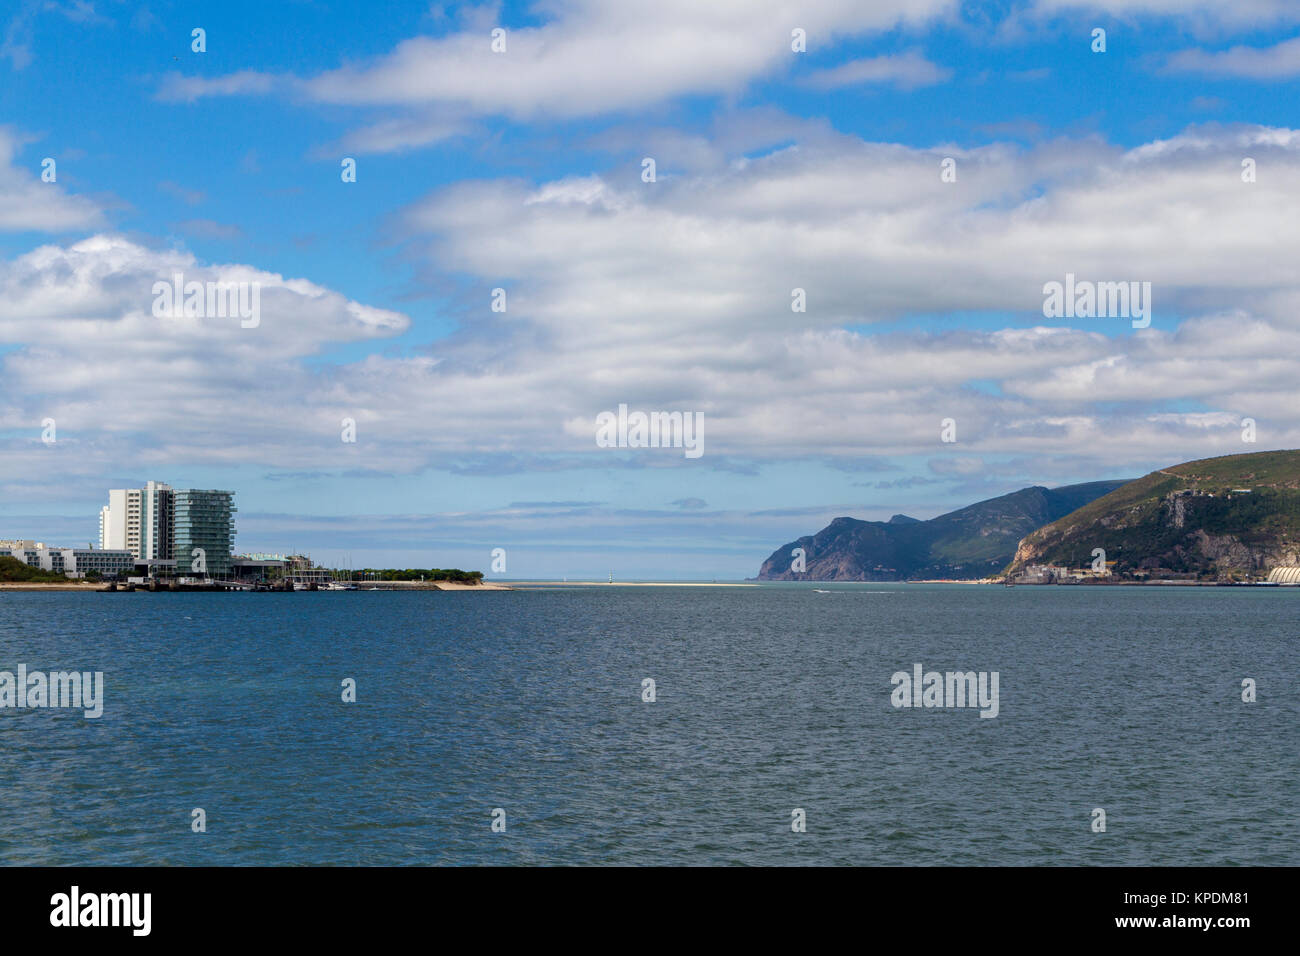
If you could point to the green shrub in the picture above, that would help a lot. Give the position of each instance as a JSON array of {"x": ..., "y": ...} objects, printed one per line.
[{"x": 14, "y": 571}]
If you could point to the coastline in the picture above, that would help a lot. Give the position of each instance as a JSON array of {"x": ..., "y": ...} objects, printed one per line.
[
  {"x": 428, "y": 586},
  {"x": 446, "y": 586},
  {"x": 100, "y": 587},
  {"x": 632, "y": 584},
  {"x": 50, "y": 586}
]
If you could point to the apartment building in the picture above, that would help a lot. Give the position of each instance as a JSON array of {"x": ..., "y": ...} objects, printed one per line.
[
  {"x": 192, "y": 526},
  {"x": 204, "y": 531}
]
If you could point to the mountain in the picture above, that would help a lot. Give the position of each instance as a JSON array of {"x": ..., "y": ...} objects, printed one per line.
[
  {"x": 1215, "y": 518},
  {"x": 975, "y": 542}
]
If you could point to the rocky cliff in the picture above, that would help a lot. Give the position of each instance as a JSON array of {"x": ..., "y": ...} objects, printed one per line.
[
  {"x": 1219, "y": 518},
  {"x": 974, "y": 542}
]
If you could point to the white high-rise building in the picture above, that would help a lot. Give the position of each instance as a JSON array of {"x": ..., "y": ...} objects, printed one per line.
[
  {"x": 138, "y": 520},
  {"x": 119, "y": 523}
]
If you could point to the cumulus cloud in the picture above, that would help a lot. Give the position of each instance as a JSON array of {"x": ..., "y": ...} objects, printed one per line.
[
  {"x": 588, "y": 57},
  {"x": 27, "y": 203},
  {"x": 871, "y": 233},
  {"x": 677, "y": 296},
  {"x": 593, "y": 57},
  {"x": 585, "y": 58},
  {"x": 121, "y": 381},
  {"x": 694, "y": 279}
]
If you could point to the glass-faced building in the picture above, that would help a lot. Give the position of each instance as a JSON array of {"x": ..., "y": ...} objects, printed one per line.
[
  {"x": 203, "y": 520},
  {"x": 157, "y": 538}
]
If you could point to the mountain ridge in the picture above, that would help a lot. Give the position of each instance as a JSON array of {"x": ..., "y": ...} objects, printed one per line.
[
  {"x": 1226, "y": 518},
  {"x": 973, "y": 542}
]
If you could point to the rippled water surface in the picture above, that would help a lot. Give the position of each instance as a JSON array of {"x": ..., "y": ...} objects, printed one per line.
[{"x": 769, "y": 698}]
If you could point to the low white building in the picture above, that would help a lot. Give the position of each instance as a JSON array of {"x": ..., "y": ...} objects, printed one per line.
[{"x": 72, "y": 562}]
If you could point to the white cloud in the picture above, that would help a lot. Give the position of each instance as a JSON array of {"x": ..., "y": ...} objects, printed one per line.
[
  {"x": 676, "y": 295},
  {"x": 587, "y": 58},
  {"x": 1198, "y": 13},
  {"x": 177, "y": 88},
  {"x": 906, "y": 70},
  {"x": 27, "y": 203},
  {"x": 593, "y": 57},
  {"x": 93, "y": 355},
  {"x": 397, "y": 134},
  {"x": 1279, "y": 62},
  {"x": 872, "y": 233}
]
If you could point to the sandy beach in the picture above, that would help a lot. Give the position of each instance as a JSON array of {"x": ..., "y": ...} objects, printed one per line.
[
  {"x": 50, "y": 586},
  {"x": 635, "y": 584},
  {"x": 448, "y": 586}
]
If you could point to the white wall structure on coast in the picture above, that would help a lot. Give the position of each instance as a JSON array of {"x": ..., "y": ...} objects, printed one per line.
[{"x": 72, "y": 562}]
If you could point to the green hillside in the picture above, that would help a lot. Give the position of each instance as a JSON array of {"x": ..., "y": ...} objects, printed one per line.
[
  {"x": 1222, "y": 518},
  {"x": 972, "y": 542}
]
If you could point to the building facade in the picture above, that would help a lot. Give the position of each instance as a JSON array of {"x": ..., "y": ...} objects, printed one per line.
[
  {"x": 119, "y": 523},
  {"x": 157, "y": 522},
  {"x": 190, "y": 528},
  {"x": 83, "y": 561},
  {"x": 138, "y": 520},
  {"x": 72, "y": 562},
  {"x": 203, "y": 531}
]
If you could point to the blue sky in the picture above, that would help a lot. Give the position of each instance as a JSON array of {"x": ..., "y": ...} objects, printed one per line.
[{"x": 522, "y": 170}]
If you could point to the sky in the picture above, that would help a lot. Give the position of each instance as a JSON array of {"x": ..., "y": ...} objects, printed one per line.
[{"x": 920, "y": 169}]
